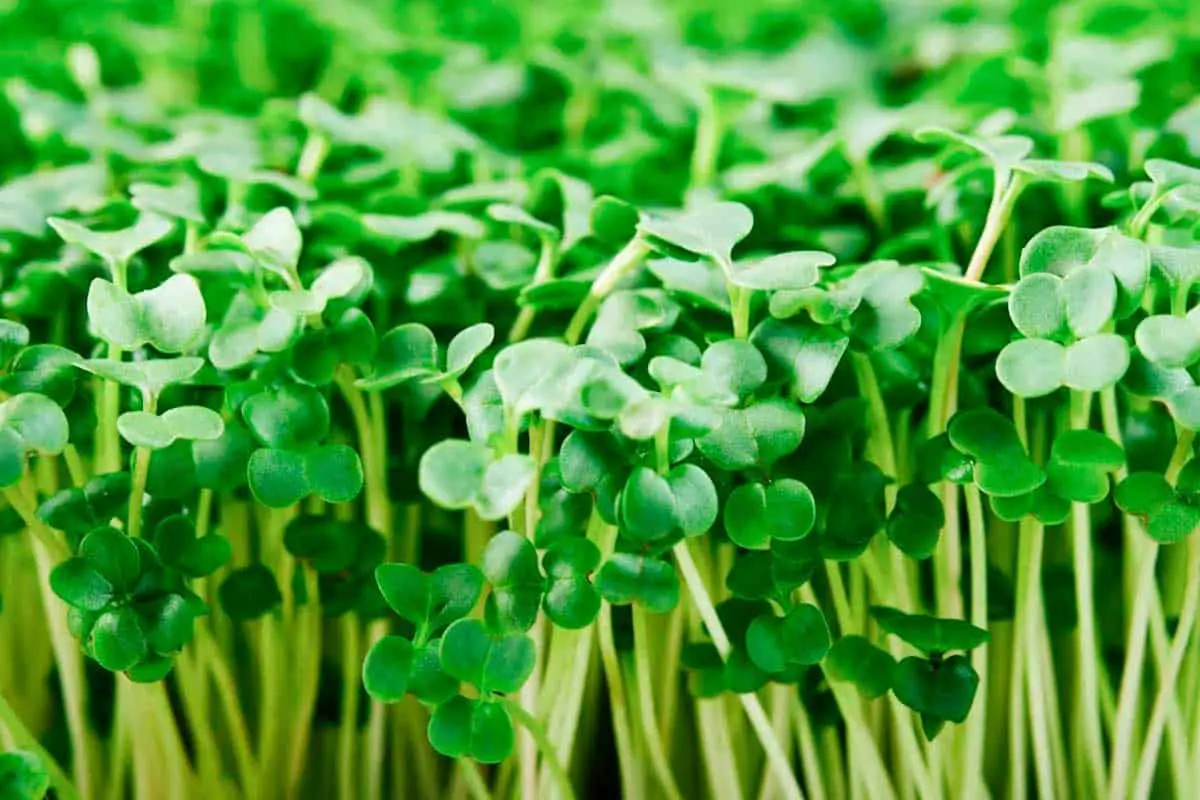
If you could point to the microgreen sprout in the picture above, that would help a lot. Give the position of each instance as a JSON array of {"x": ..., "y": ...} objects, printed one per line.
[{"x": 657, "y": 400}]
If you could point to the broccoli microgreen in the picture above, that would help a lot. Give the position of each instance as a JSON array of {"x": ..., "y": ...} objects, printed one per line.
[{"x": 431, "y": 401}]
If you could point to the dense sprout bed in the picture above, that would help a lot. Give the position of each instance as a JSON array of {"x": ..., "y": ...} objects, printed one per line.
[{"x": 649, "y": 400}]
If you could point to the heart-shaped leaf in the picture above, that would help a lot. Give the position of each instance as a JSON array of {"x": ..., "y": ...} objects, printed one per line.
[
  {"x": 510, "y": 564},
  {"x": 499, "y": 663},
  {"x": 430, "y": 601},
  {"x": 794, "y": 270},
  {"x": 1032, "y": 367},
  {"x": 113, "y": 556},
  {"x": 1036, "y": 305},
  {"x": 1095, "y": 363},
  {"x": 1079, "y": 465},
  {"x": 118, "y": 640},
  {"x": 942, "y": 692},
  {"x": 710, "y": 230},
  {"x": 29, "y": 423},
  {"x": 278, "y": 478},
  {"x": 80, "y": 586},
  {"x": 479, "y": 729},
  {"x": 275, "y": 242},
  {"x": 1002, "y": 468},
  {"x": 804, "y": 354},
  {"x": 249, "y": 593},
  {"x": 759, "y": 435},
  {"x": 1063, "y": 250},
  {"x": 799, "y": 638},
  {"x": 45, "y": 369},
  {"x": 886, "y": 316},
  {"x": 150, "y": 377},
  {"x": 115, "y": 247},
  {"x": 1167, "y": 517},
  {"x": 156, "y": 431},
  {"x": 853, "y": 659},
  {"x": 1169, "y": 342},
  {"x": 756, "y": 514},
  {"x": 221, "y": 463},
  {"x": 929, "y": 634},
  {"x": 458, "y": 474},
  {"x": 737, "y": 366},
  {"x": 571, "y": 601},
  {"x": 916, "y": 521},
  {"x": 427, "y": 680},
  {"x": 654, "y": 507},
  {"x": 528, "y": 374},
  {"x": 631, "y": 578},
  {"x": 405, "y": 353},
  {"x": 387, "y": 669},
  {"x": 289, "y": 416},
  {"x": 1046, "y": 505}
]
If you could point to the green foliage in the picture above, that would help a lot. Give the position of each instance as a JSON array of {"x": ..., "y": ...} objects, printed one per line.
[
  {"x": 418, "y": 339},
  {"x": 930, "y": 635},
  {"x": 23, "y": 776}
]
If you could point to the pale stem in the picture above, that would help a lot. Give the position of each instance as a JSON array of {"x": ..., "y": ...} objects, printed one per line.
[{"x": 750, "y": 703}]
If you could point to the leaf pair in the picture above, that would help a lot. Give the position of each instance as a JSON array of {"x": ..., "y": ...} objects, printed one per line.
[
  {"x": 281, "y": 477},
  {"x": 798, "y": 638},
  {"x": 916, "y": 521},
  {"x": 1001, "y": 467},
  {"x": 873, "y": 304},
  {"x": 626, "y": 578},
  {"x": 347, "y": 277},
  {"x": 171, "y": 317},
  {"x": 1077, "y": 471},
  {"x": 1045, "y": 306},
  {"x": 940, "y": 690},
  {"x": 1170, "y": 513},
  {"x": 457, "y": 474},
  {"x": 930, "y": 635},
  {"x": 728, "y": 371},
  {"x": 657, "y": 508},
  {"x": 410, "y": 352},
  {"x": 758, "y": 435},
  {"x": 157, "y": 431},
  {"x": 1062, "y": 251},
  {"x": 149, "y": 377},
  {"x": 1037, "y": 367},
  {"x": 519, "y": 589},
  {"x": 115, "y": 247},
  {"x": 773, "y": 574},
  {"x": 757, "y": 514}
]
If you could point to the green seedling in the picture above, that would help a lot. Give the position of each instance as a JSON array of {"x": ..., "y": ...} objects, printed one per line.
[{"x": 585, "y": 386}]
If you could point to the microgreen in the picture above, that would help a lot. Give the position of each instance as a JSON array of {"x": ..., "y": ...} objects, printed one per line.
[{"x": 511, "y": 366}]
